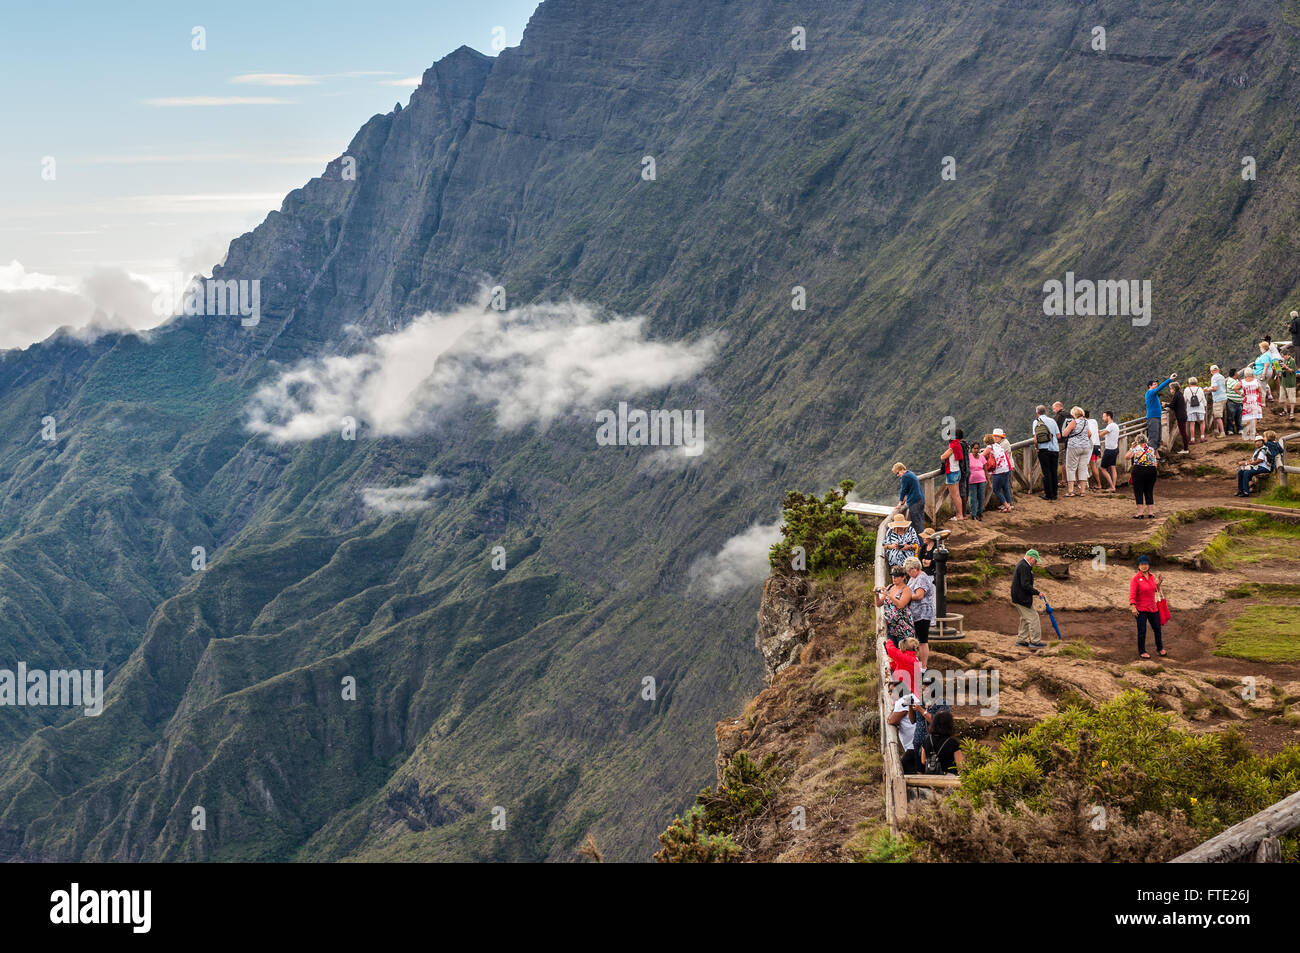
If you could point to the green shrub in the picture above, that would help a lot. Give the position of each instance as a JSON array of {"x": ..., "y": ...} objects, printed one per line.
[
  {"x": 706, "y": 833},
  {"x": 1125, "y": 757},
  {"x": 880, "y": 848},
  {"x": 833, "y": 541},
  {"x": 688, "y": 842}
]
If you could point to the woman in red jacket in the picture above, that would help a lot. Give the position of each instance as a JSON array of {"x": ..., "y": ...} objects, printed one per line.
[
  {"x": 905, "y": 665},
  {"x": 1142, "y": 600}
]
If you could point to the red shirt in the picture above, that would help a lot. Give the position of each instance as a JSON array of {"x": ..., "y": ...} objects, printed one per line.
[
  {"x": 1142, "y": 592},
  {"x": 904, "y": 665},
  {"x": 953, "y": 463}
]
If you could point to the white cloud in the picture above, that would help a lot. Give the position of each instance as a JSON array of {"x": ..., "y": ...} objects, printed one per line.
[
  {"x": 33, "y": 306},
  {"x": 409, "y": 81},
  {"x": 301, "y": 79},
  {"x": 742, "y": 561},
  {"x": 219, "y": 101},
  {"x": 530, "y": 365},
  {"x": 203, "y": 202},
  {"x": 275, "y": 79},
  {"x": 402, "y": 499},
  {"x": 250, "y": 158}
]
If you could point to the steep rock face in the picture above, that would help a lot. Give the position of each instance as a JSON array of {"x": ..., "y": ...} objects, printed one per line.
[
  {"x": 783, "y": 627},
  {"x": 817, "y": 168}
]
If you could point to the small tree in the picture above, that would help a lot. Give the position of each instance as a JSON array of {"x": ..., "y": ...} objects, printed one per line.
[
  {"x": 688, "y": 842},
  {"x": 833, "y": 541}
]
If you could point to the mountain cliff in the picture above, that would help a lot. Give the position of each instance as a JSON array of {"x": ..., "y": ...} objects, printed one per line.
[{"x": 522, "y": 688}]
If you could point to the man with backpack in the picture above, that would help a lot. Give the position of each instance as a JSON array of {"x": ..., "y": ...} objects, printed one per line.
[
  {"x": 1286, "y": 376},
  {"x": 1046, "y": 433},
  {"x": 1196, "y": 400}
]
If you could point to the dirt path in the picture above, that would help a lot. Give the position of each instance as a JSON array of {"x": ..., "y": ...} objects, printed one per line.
[{"x": 1096, "y": 539}]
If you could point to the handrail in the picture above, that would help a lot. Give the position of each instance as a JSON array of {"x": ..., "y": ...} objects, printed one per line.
[
  {"x": 1256, "y": 838},
  {"x": 931, "y": 480},
  {"x": 891, "y": 749}
]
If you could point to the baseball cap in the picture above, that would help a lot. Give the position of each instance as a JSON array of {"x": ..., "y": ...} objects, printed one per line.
[{"x": 1033, "y": 553}]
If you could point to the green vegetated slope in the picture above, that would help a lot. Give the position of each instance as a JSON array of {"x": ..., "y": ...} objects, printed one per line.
[{"x": 775, "y": 168}]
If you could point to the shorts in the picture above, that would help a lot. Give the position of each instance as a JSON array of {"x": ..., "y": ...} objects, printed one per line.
[
  {"x": 1288, "y": 394},
  {"x": 951, "y": 478},
  {"x": 1195, "y": 415},
  {"x": 1218, "y": 408},
  {"x": 1109, "y": 457},
  {"x": 922, "y": 627}
]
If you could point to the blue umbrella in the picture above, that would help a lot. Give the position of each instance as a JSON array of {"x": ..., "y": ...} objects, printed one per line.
[{"x": 1051, "y": 615}]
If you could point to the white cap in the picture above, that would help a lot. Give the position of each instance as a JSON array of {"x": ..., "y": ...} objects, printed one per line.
[{"x": 999, "y": 432}]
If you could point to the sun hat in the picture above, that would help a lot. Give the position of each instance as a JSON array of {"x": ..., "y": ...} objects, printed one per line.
[
  {"x": 899, "y": 521},
  {"x": 927, "y": 533},
  {"x": 999, "y": 432},
  {"x": 1259, "y": 439}
]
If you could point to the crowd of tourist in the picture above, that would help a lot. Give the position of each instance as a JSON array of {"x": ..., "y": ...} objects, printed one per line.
[{"x": 1081, "y": 451}]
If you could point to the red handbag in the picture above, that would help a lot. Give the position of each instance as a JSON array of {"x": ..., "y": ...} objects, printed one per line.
[{"x": 1162, "y": 607}]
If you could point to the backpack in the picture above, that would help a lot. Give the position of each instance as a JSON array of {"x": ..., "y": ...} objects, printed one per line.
[
  {"x": 1195, "y": 399},
  {"x": 1041, "y": 433},
  {"x": 932, "y": 763}
]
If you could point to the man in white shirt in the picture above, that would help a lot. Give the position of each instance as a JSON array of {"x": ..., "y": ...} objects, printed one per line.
[
  {"x": 1218, "y": 397},
  {"x": 905, "y": 715},
  {"x": 1095, "y": 457},
  {"x": 1109, "y": 448},
  {"x": 1196, "y": 400}
]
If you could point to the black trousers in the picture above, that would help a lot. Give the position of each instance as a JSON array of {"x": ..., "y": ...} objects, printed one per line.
[
  {"x": 1143, "y": 479},
  {"x": 1143, "y": 619},
  {"x": 1049, "y": 463}
]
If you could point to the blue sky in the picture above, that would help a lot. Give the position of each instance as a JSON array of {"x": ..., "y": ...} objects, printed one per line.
[{"x": 145, "y": 179}]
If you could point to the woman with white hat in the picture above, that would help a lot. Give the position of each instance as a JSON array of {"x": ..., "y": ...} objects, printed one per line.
[
  {"x": 900, "y": 541},
  {"x": 997, "y": 461}
]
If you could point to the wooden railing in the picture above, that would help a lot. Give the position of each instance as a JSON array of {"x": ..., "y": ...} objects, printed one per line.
[
  {"x": 891, "y": 749},
  {"x": 1256, "y": 839},
  {"x": 1027, "y": 475}
]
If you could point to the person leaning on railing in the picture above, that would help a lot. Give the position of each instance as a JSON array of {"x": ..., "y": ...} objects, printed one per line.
[
  {"x": 895, "y": 601},
  {"x": 921, "y": 607},
  {"x": 997, "y": 462},
  {"x": 908, "y": 710},
  {"x": 910, "y": 496},
  {"x": 900, "y": 541}
]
